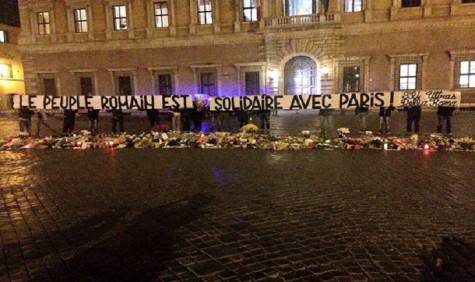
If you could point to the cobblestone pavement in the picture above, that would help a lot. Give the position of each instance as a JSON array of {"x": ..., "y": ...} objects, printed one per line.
[
  {"x": 287, "y": 122},
  {"x": 195, "y": 215}
]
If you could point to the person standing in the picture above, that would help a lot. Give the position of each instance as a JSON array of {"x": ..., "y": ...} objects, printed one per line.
[
  {"x": 25, "y": 115},
  {"x": 176, "y": 120},
  {"x": 361, "y": 113},
  {"x": 264, "y": 116},
  {"x": 152, "y": 115},
  {"x": 117, "y": 121},
  {"x": 42, "y": 120},
  {"x": 326, "y": 123},
  {"x": 243, "y": 117},
  {"x": 413, "y": 118},
  {"x": 69, "y": 121},
  {"x": 384, "y": 119},
  {"x": 444, "y": 114},
  {"x": 93, "y": 116}
]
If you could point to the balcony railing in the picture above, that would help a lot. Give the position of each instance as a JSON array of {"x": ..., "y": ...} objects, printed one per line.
[{"x": 291, "y": 21}]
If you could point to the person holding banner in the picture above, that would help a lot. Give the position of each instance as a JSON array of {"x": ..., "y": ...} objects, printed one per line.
[
  {"x": 361, "y": 113},
  {"x": 444, "y": 114},
  {"x": 326, "y": 124},
  {"x": 384, "y": 119},
  {"x": 25, "y": 115},
  {"x": 69, "y": 121},
  {"x": 413, "y": 118},
  {"x": 41, "y": 120},
  {"x": 152, "y": 115},
  {"x": 264, "y": 116},
  {"x": 117, "y": 121},
  {"x": 93, "y": 116}
]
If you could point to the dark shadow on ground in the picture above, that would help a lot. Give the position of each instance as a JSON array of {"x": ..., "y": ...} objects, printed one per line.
[
  {"x": 141, "y": 251},
  {"x": 453, "y": 260}
]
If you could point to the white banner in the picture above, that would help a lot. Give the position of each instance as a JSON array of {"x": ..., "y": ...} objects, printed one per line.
[
  {"x": 430, "y": 98},
  {"x": 103, "y": 102}
]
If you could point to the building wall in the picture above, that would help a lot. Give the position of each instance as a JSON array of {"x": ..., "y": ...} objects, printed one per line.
[
  {"x": 436, "y": 36},
  {"x": 10, "y": 56}
]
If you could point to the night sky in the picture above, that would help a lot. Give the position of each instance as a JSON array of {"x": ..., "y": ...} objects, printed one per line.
[{"x": 9, "y": 12}]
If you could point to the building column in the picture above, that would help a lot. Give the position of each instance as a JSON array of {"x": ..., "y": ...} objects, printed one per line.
[
  {"x": 172, "y": 26},
  {"x": 193, "y": 17},
  {"x": 237, "y": 15},
  {"x": 216, "y": 16}
]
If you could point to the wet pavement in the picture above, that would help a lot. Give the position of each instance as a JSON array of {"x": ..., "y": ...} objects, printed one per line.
[{"x": 236, "y": 215}]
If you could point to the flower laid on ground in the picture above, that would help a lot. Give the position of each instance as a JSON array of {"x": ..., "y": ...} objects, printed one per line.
[{"x": 244, "y": 140}]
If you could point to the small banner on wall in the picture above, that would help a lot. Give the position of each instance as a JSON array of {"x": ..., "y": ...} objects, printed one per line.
[{"x": 413, "y": 98}]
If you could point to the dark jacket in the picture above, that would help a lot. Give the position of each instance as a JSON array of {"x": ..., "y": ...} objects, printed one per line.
[
  {"x": 25, "y": 113},
  {"x": 93, "y": 114}
]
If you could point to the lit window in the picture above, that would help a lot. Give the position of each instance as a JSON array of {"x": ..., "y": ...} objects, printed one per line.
[
  {"x": 161, "y": 14},
  {"x": 408, "y": 76},
  {"x": 5, "y": 71},
  {"x": 80, "y": 20},
  {"x": 3, "y": 36},
  {"x": 467, "y": 74},
  {"x": 205, "y": 12},
  {"x": 300, "y": 7},
  {"x": 410, "y": 3},
  {"x": 249, "y": 10},
  {"x": 120, "y": 17},
  {"x": 353, "y": 6},
  {"x": 351, "y": 79},
  {"x": 43, "y": 23}
]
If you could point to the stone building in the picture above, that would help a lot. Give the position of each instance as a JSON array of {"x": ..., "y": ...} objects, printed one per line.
[
  {"x": 244, "y": 47},
  {"x": 11, "y": 70}
]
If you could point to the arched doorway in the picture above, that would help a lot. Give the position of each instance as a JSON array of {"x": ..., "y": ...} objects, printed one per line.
[{"x": 300, "y": 75}]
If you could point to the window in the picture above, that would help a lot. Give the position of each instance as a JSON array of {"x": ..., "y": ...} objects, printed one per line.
[
  {"x": 43, "y": 23},
  {"x": 208, "y": 83},
  {"x": 252, "y": 84},
  {"x": 408, "y": 76},
  {"x": 165, "y": 84},
  {"x": 86, "y": 86},
  {"x": 468, "y": 1},
  {"x": 49, "y": 86},
  {"x": 205, "y": 12},
  {"x": 80, "y": 20},
  {"x": 353, "y": 6},
  {"x": 467, "y": 74},
  {"x": 120, "y": 17},
  {"x": 3, "y": 36},
  {"x": 161, "y": 14},
  {"x": 5, "y": 71},
  {"x": 351, "y": 79},
  {"x": 410, "y": 3},
  {"x": 249, "y": 10},
  {"x": 300, "y": 7},
  {"x": 125, "y": 85}
]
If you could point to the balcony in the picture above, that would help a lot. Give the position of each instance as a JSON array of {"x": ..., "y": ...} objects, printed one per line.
[{"x": 297, "y": 21}]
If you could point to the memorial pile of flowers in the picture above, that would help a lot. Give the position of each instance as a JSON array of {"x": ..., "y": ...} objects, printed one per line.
[{"x": 247, "y": 138}]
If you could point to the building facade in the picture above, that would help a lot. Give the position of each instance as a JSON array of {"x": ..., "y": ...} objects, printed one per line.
[
  {"x": 246, "y": 47},
  {"x": 11, "y": 69}
]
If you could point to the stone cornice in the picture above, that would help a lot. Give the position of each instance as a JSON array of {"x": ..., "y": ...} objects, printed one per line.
[{"x": 168, "y": 42}]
